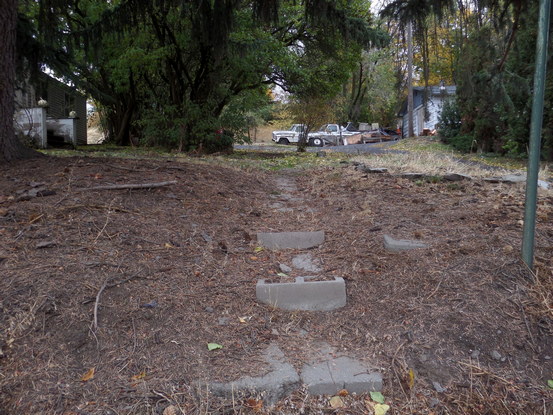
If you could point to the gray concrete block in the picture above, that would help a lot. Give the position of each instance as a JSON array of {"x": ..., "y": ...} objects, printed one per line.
[
  {"x": 329, "y": 377},
  {"x": 397, "y": 245},
  {"x": 303, "y": 295},
  {"x": 279, "y": 382},
  {"x": 290, "y": 240}
]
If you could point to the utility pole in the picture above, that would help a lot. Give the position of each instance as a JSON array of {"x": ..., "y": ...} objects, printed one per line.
[
  {"x": 528, "y": 233},
  {"x": 411, "y": 127}
]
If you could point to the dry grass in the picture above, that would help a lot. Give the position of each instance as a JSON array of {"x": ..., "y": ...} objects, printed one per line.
[
  {"x": 429, "y": 156},
  {"x": 428, "y": 163}
]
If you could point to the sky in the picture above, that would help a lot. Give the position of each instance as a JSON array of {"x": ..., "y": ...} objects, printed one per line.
[{"x": 376, "y": 5}]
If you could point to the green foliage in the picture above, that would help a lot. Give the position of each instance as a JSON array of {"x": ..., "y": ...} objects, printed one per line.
[
  {"x": 449, "y": 128},
  {"x": 463, "y": 142},
  {"x": 370, "y": 91},
  {"x": 173, "y": 73},
  {"x": 449, "y": 121}
]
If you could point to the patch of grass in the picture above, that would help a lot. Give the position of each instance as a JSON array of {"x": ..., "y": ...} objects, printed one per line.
[
  {"x": 432, "y": 144},
  {"x": 483, "y": 163},
  {"x": 108, "y": 150},
  {"x": 274, "y": 161}
]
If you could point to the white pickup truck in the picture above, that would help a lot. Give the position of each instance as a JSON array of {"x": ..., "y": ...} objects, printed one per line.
[
  {"x": 288, "y": 136},
  {"x": 329, "y": 134}
]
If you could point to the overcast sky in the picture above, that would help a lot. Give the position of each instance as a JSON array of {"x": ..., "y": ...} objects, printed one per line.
[{"x": 376, "y": 5}]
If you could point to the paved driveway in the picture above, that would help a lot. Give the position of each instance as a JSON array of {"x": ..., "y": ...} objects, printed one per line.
[{"x": 375, "y": 148}]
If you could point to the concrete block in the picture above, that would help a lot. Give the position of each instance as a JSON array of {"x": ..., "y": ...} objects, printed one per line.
[
  {"x": 290, "y": 240},
  {"x": 397, "y": 245},
  {"x": 329, "y": 377},
  {"x": 279, "y": 382},
  {"x": 303, "y": 295}
]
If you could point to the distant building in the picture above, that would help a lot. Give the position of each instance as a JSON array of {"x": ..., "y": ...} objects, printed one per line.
[
  {"x": 61, "y": 117},
  {"x": 437, "y": 95}
]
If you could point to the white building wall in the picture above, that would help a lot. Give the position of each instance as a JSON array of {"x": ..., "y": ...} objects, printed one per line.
[
  {"x": 31, "y": 122},
  {"x": 434, "y": 107}
]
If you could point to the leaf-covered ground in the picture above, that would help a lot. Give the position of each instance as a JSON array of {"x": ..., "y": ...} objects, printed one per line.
[{"x": 110, "y": 297}]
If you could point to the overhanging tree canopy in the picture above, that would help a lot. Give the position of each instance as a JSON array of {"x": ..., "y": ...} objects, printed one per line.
[{"x": 177, "y": 65}]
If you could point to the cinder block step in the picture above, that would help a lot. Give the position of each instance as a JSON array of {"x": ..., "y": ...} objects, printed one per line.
[
  {"x": 397, "y": 245},
  {"x": 329, "y": 377},
  {"x": 281, "y": 380},
  {"x": 290, "y": 240},
  {"x": 303, "y": 295}
]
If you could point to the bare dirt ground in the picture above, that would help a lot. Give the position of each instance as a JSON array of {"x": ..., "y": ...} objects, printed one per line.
[{"x": 109, "y": 297}]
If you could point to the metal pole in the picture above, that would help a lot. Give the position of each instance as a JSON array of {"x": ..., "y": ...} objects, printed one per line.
[
  {"x": 535, "y": 135},
  {"x": 411, "y": 127}
]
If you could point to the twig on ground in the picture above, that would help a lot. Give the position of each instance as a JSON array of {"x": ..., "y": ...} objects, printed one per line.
[
  {"x": 102, "y": 288},
  {"x": 131, "y": 169},
  {"x": 128, "y": 186},
  {"x": 485, "y": 372},
  {"x": 532, "y": 341},
  {"x": 116, "y": 209}
]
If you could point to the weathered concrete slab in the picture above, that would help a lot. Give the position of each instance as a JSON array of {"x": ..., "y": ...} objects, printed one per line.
[
  {"x": 290, "y": 240},
  {"x": 303, "y": 295},
  {"x": 515, "y": 178},
  {"x": 396, "y": 245},
  {"x": 306, "y": 263},
  {"x": 374, "y": 170},
  {"x": 275, "y": 385},
  {"x": 456, "y": 177},
  {"x": 280, "y": 207},
  {"x": 413, "y": 176},
  {"x": 329, "y": 377}
]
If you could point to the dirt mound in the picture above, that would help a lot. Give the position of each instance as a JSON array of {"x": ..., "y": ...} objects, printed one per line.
[{"x": 110, "y": 297}]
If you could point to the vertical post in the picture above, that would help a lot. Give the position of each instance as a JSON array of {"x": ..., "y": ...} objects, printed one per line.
[
  {"x": 529, "y": 228},
  {"x": 411, "y": 127},
  {"x": 74, "y": 132},
  {"x": 43, "y": 131}
]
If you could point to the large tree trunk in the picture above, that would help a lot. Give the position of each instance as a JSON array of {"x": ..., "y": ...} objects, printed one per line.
[{"x": 10, "y": 146}]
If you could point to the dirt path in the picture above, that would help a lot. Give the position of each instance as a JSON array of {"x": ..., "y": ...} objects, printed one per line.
[{"x": 167, "y": 270}]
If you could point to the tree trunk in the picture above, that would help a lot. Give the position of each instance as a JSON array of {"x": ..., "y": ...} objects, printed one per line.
[
  {"x": 10, "y": 146},
  {"x": 8, "y": 21}
]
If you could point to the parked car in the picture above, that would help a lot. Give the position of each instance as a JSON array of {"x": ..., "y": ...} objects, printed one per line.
[{"x": 289, "y": 136}]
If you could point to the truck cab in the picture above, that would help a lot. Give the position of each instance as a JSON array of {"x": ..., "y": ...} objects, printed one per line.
[{"x": 288, "y": 136}]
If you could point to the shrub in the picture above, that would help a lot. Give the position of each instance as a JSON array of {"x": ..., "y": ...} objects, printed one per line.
[
  {"x": 463, "y": 142},
  {"x": 449, "y": 121}
]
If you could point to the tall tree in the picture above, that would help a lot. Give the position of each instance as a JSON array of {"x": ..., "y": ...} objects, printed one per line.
[
  {"x": 10, "y": 146},
  {"x": 175, "y": 64}
]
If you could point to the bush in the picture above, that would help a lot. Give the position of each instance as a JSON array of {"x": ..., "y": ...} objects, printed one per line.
[
  {"x": 449, "y": 121},
  {"x": 463, "y": 142},
  {"x": 449, "y": 128}
]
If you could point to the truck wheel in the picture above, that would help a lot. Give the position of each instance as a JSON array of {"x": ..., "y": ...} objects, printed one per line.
[
  {"x": 316, "y": 142},
  {"x": 283, "y": 140}
]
